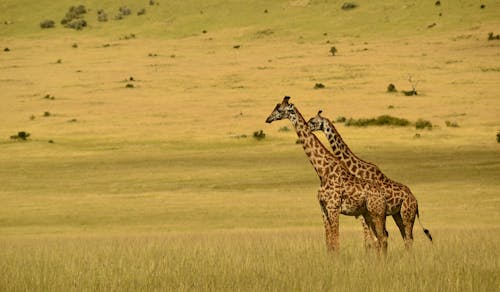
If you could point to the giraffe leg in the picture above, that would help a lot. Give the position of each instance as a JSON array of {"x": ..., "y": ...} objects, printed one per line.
[
  {"x": 399, "y": 222},
  {"x": 328, "y": 227},
  {"x": 376, "y": 208},
  {"x": 370, "y": 239},
  {"x": 408, "y": 214},
  {"x": 379, "y": 230}
]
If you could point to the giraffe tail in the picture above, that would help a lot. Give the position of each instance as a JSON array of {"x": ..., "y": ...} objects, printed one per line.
[{"x": 426, "y": 231}]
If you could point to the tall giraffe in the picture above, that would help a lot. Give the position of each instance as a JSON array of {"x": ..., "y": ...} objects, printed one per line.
[
  {"x": 340, "y": 191},
  {"x": 401, "y": 203}
]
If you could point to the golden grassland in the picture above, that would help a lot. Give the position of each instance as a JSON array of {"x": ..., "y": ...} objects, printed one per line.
[{"x": 162, "y": 186}]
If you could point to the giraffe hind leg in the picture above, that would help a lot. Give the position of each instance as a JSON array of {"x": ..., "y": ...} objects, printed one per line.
[{"x": 399, "y": 222}]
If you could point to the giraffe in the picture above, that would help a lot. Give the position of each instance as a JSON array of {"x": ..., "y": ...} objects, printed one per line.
[
  {"x": 401, "y": 203},
  {"x": 340, "y": 192}
]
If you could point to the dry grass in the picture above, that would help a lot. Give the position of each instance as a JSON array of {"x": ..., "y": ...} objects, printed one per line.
[{"x": 248, "y": 260}]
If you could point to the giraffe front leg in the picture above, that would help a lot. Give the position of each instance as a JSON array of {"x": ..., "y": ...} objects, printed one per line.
[
  {"x": 330, "y": 202},
  {"x": 370, "y": 239}
]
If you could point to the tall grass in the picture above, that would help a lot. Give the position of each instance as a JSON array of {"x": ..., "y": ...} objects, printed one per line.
[{"x": 246, "y": 260}]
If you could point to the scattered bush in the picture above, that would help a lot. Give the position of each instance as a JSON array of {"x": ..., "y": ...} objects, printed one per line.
[
  {"x": 340, "y": 119},
  {"x": 284, "y": 129},
  {"x": 409, "y": 93},
  {"x": 391, "y": 88},
  {"x": 438, "y": 3},
  {"x": 47, "y": 24},
  {"x": 259, "y": 135},
  {"x": 122, "y": 12},
  {"x": 47, "y": 114},
  {"x": 102, "y": 16},
  {"x": 74, "y": 18},
  {"x": 141, "y": 12},
  {"x": 20, "y": 136},
  {"x": 128, "y": 37},
  {"x": 48, "y": 96},
  {"x": 151, "y": 2},
  {"x": 390, "y": 106},
  {"x": 384, "y": 120},
  {"x": 319, "y": 86},
  {"x": 6, "y": 50},
  {"x": 451, "y": 124},
  {"x": 349, "y": 6},
  {"x": 129, "y": 85},
  {"x": 498, "y": 137},
  {"x": 74, "y": 45},
  {"x": 423, "y": 124},
  {"x": 333, "y": 51},
  {"x": 492, "y": 37}
]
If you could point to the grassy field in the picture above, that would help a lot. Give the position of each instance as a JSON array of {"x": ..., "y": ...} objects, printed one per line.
[{"x": 163, "y": 187}]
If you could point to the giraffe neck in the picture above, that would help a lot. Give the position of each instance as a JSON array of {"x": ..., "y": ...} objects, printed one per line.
[
  {"x": 354, "y": 164},
  {"x": 317, "y": 154},
  {"x": 340, "y": 148}
]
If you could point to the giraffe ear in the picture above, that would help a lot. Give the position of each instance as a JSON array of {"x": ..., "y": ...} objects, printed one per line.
[
  {"x": 286, "y": 99},
  {"x": 319, "y": 112}
]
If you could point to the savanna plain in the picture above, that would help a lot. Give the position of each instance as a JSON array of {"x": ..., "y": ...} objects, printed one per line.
[{"x": 142, "y": 172}]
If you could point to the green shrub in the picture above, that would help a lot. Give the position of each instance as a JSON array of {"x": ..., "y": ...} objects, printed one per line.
[
  {"x": 319, "y": 86},
  {"x": 333, "y": 51},
  {"x": 384, "y": 120},
  {"x": 340, "y": 119},
  {"x": 47, "y": 24},
  {"x": 423, "y": 124},
  {"x": 22, "y": 135},
  {"x": 259, "y": 135},
  {"x": 391, "y": 88}
]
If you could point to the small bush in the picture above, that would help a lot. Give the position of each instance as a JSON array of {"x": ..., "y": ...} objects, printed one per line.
[
  {"x": 74, "y": 18},
  {"x": 6, "y": 50},
  {"x": 319, "y": 86},
  {"x": 124, "y": 10},
  {"x": 492, "y": 37},
  {"x": 20, "y": 136},
  {"x": 498, "y": 137},
  {"x": 410, "y": 93},
  {"x": 349, "y": 6},
  {"x": 340, "y": 119},
  {"x": 74, "y": 45},
  {"x": 391, "y": 88},
  {"x": 47, "y": 114},
  {"x": 50, "y": 97},
  {"x": 423, "y": 124},
  {"x": 47, "y": 24},
  {"x": 129, "y": 85},
  {"x": 333, "y": 51},
  {"x": 284, "y": 129},
  {"x": 102, "y": 16},
  {"x": 141, "y": 12},
  {"x": 451, "y": 124},
  {"x": 259, "y": 135}
]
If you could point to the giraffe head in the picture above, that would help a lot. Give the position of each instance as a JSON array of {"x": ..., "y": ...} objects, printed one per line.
[
  {"x": 281, "y": 111},
  {"x": 316, "y": 123}
]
